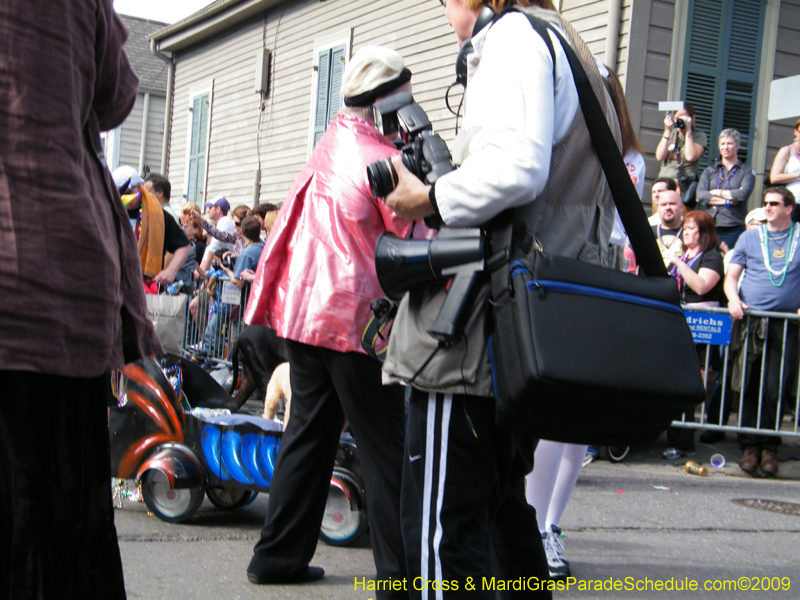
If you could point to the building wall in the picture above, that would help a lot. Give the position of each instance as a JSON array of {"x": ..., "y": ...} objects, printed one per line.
[
  {"x": 131, "y": 133},
  {"x": 590, "y": 19},
  {"x": 787, "y": 64},
  {"x": 416, "y": 28}
]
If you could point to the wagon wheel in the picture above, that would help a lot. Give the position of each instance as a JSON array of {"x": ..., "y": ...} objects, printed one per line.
[
  {"x": 345, "y": 518},
  {"x": 172, "y": 506},
  {"x": 227, "y": 498}
]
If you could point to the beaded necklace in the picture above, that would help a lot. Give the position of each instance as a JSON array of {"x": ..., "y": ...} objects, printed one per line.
[
  {"x": 793, "y": 235},
  {"x": 675, "y": 272},
  {"x": 672, "y": 243}
]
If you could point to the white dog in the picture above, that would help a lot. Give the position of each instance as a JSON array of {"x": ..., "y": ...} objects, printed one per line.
[{"x": 278, "y": 388}]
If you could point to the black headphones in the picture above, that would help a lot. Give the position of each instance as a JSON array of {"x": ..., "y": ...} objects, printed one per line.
[{"x": 485, "y": 17}]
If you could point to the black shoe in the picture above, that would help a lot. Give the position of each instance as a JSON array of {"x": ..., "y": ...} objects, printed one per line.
[
  {"x": 310, "y": 574},
  {"x": 712, "y": 436}
]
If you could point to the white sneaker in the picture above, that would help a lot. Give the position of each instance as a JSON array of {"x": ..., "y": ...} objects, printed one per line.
[{"x": 553, "y": 549}]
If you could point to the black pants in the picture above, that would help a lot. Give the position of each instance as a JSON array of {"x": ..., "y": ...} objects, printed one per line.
[
  {"x": 326, "y": 387},
  {"x": 465, "y": 517},
  {"x": 57, "y": 534},
  {"x": 773, "y": 387}
]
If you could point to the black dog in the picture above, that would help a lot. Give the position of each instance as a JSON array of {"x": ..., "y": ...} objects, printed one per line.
[{"x": 261, "y": 350}]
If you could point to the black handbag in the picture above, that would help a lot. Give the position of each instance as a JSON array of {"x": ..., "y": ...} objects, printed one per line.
[{"x": 582, "y": 353}]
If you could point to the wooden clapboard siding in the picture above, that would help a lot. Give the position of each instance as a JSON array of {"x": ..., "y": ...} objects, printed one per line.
[
  {"x": 131, "y": 134},
  {"x": 787, "y": 64},
  {"x": 155, "y": 133},
  {"x": 590, "y": 19},
  {"x": 416, "y": 28},
  {"x": 225, "y": 65}
]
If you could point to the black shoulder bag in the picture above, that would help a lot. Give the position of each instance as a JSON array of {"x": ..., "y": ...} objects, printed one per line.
[{"x": 582, "y": 353}]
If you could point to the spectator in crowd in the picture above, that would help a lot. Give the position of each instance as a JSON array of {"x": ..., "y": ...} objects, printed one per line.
[
  {"x": 669, "y": 231},
  {"x": 234, "y": 237},
  {"x": 218, "y": 213},
  {"x": 771, "y": 282},
  {"x": 662, "y": 184},
  {"x": 160, "y": 187},
  {"x": 755, "y": 218},
  {"x": 188, "y": 273},
  {"x": 786, "y": 166},
  {"x": 266, "y": 213},
  {"x": 681, "y": 147},
  {"x": 523, "y": 139},
  {"x": 156, "y": 234},
  {"x": 315, "y": 281},
  {"x": 699, "y": 274},
  {"x": 248, "y": 258},
  {"x": 725, "y": 187},
  {"x": 73, "y": 308}
]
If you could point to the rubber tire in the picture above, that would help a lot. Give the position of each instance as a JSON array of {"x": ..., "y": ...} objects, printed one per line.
[
  {"x": 345, "y": 497},
  {"x": 177, "y": 509},
  {"x": 228, "y": 498},
  {"x": 615, "y": 453}
]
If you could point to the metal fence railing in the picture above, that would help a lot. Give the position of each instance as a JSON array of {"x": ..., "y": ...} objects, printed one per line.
[
  {"x": 214, "y": 320},
  {"x": 753, "y": 388}
]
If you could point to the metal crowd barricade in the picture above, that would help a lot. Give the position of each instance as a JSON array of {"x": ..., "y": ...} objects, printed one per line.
[
  {"x": 214, "y": 319},
  {"x": 711, "y": 324}
]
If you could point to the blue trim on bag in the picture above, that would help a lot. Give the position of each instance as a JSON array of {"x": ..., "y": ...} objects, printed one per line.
[
  {"x": 517, "y": 267},
  {"x": 573, "y": 288},
  {"x": 491, "y": 362}
]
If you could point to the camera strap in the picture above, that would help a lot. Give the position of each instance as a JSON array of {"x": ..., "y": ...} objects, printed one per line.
[{"x": 383, "y": 311}]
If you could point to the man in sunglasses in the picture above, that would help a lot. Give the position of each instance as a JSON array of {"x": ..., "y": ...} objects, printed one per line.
[{"x": 771, "y": 282}]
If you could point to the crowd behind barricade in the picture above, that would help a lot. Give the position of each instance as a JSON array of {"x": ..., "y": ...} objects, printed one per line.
[
  {"x": 523, "y": 137},
  {"x": 723, "y": 256}
]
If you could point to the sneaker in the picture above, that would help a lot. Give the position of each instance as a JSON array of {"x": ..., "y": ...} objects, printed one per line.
[
  {"x": 673, "y": 453},
  {"x": 587, "y": 460},
  {"x": 769, "y": 462},
  {"x": 750, "y": 460},
  {"x": 557, "y": 565}
]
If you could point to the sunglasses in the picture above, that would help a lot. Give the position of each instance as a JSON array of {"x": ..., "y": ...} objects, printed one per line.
[
  {"x": 774, "y": 203},
  {"x": 237, "y": 223}
]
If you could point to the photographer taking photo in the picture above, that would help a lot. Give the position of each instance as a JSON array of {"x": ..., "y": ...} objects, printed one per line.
[
  {"x": 527, "y": 147},
  {"x": 314, "y": 284},
  {"x": 681, "y": 147}
]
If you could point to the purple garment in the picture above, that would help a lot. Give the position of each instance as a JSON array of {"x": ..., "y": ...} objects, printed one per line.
[{"x": 70, "y": 278}]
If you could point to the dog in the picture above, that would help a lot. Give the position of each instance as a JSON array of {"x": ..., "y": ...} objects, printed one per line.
[
  {"x": 280, "y": 387},
  {"x": 261, "y": 350}
]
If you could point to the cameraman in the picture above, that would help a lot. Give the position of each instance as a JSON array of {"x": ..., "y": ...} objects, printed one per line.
[
  {"x": 463, "y": 480},
  {"x": 314, "y": 284}
]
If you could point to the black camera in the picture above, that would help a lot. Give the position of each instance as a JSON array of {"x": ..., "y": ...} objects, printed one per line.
[
  {"x": 424, "y": 153},
  {"x": 680, "y": 124},
  {"x": 227, "y": 262}
]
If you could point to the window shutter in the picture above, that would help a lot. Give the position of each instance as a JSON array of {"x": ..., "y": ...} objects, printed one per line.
[
  {"x": 323, "y": 81},
  {"x": 330, "y": 73},
  {"x": 337, "y": 75},
  {"x": 720, "y": 73},
  {"x": 197, "y": 148}
]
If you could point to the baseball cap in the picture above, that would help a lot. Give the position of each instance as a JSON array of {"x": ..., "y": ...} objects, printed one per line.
[
  {"x": 757, "y": 214},
  {"x": 124, "y": 173},
  {"x": 221, "y": 203}
]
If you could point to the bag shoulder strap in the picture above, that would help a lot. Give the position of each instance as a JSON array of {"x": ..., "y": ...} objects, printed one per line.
[{"x": 626, "y": 199}]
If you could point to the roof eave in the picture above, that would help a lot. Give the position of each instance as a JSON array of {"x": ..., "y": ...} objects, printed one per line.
[{"x": 207, "y": 22}]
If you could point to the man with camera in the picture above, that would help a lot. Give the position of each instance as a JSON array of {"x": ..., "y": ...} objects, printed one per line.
[
  {"x": 314, "y": 284},
  {"x": 464, "y": 507}
]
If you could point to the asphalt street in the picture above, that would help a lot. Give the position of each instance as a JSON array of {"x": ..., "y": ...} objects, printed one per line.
[{"x": 633, "y": 524}]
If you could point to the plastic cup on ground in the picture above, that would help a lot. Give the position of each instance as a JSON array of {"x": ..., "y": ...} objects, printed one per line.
[{"x": 717, "y": 461}]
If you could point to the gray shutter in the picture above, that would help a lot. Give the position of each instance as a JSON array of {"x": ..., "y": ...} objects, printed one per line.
[
  {"x": 330, "y": 73},
  {"x": 197, "y": 149},
  {"x": 335, "y": 89},
  {"x": 720, "y": 72},
  {"x": 323, "y": 81}
]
